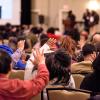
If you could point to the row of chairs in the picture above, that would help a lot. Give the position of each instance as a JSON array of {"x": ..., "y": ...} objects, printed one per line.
[
  {"x": 67, "y": 94},
  {"x": 20, "y": 74},
  {"x": 58, "y": 93}
]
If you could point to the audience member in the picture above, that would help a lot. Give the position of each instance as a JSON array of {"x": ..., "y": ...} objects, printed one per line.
[
  {"x": 69, "y": 45},
  {"x": 58, "y": 65},
  {"x": 43, "y": 39},
  {"x": 84, "y": 67},
  {"x": 15, "y": 55},
  {"x": 51, "y": 33},
  {"x": 11, "y": 89},
  {"x": 92, "y": 81},
  {"x": 74, "y": 34},
  {"x": 29, "y": 65},
  {"x": 83, "y": 39}
]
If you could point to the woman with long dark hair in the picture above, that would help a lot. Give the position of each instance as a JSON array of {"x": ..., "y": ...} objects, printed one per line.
[{"x": 58, "y": 65}]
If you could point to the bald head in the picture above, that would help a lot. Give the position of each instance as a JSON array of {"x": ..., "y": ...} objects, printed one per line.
[{"x": 96, "y": 38}]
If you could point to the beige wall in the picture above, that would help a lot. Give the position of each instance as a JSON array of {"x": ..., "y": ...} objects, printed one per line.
[
  {"x": 39, "y": 7},
  {"x": 51, "y": 8}
]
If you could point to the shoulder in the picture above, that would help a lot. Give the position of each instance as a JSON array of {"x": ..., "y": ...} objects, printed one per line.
[{"x": 71, "y": 82}]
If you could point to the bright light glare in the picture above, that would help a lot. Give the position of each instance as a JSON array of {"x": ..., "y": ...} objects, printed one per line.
[{"x": 93, "y": 5}]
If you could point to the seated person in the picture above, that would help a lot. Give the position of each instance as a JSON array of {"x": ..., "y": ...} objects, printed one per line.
[
  {"x": 67, "y": 43},
  {"x": 21, "y": 64},
  {"x": 58, "y": 65},
  {"x": 89, "y": 54},
  {"x": 15, "y": 89},
  {"x": 15, "y": 55},
  {"x": 92, "y": 81},
  {"x": 29, "y": 69}
]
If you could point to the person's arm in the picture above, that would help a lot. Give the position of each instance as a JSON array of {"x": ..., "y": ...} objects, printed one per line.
[
  {"x": 29, "y": 65},
  {"x": 37, "y": 84},
  {"x": 29, "y": 88},
  {"x": 17, "y": 54}
]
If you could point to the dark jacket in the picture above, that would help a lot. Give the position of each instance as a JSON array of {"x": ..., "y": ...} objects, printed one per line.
[{"x": 91, "y": 82}]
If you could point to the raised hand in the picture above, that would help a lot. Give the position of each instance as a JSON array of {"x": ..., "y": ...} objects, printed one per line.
[
  {"x": 38, "y": 57},
  {"x": 52, "y": 43},
  {"x": 20, "y": 44}
]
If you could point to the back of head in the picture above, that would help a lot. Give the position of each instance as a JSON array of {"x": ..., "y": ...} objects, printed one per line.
[
  {"x": 74, "y": 34},
  {"x": 43, "y": 39},
  {"x": 58, "y": 65},
  {"x": 5, "y": 62},
  {"x": 96, "y": 38},
  {"x": 68, "y": 44},
  {"x": 88, "y": 49},
  {"x": 36, "y": 30},
  {"x": 51, "y": 30}
]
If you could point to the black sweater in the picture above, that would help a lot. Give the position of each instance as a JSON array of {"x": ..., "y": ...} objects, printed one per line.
[{"x": 91, "y": 82}]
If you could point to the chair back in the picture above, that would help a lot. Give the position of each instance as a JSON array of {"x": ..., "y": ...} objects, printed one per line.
[
  {"x": 78, "y": 78},
  {"x": 37, "y": 97},
  {"x": 67, "y": 94},
  {"x": 17, "y": 74}
]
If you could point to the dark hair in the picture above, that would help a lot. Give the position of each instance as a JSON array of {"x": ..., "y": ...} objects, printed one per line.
[
  {"x": 37, "y": 30},
  {"x": 74, "y": 34},
  {"x": 88, "y": 49},
  {"x": 5, "y": 62},
  {"x": 58, "y": 65},
  {"x": 43, "y": 39},
  {"x": 96, "y": 64},
  {"x": 51, "y": 30}
]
